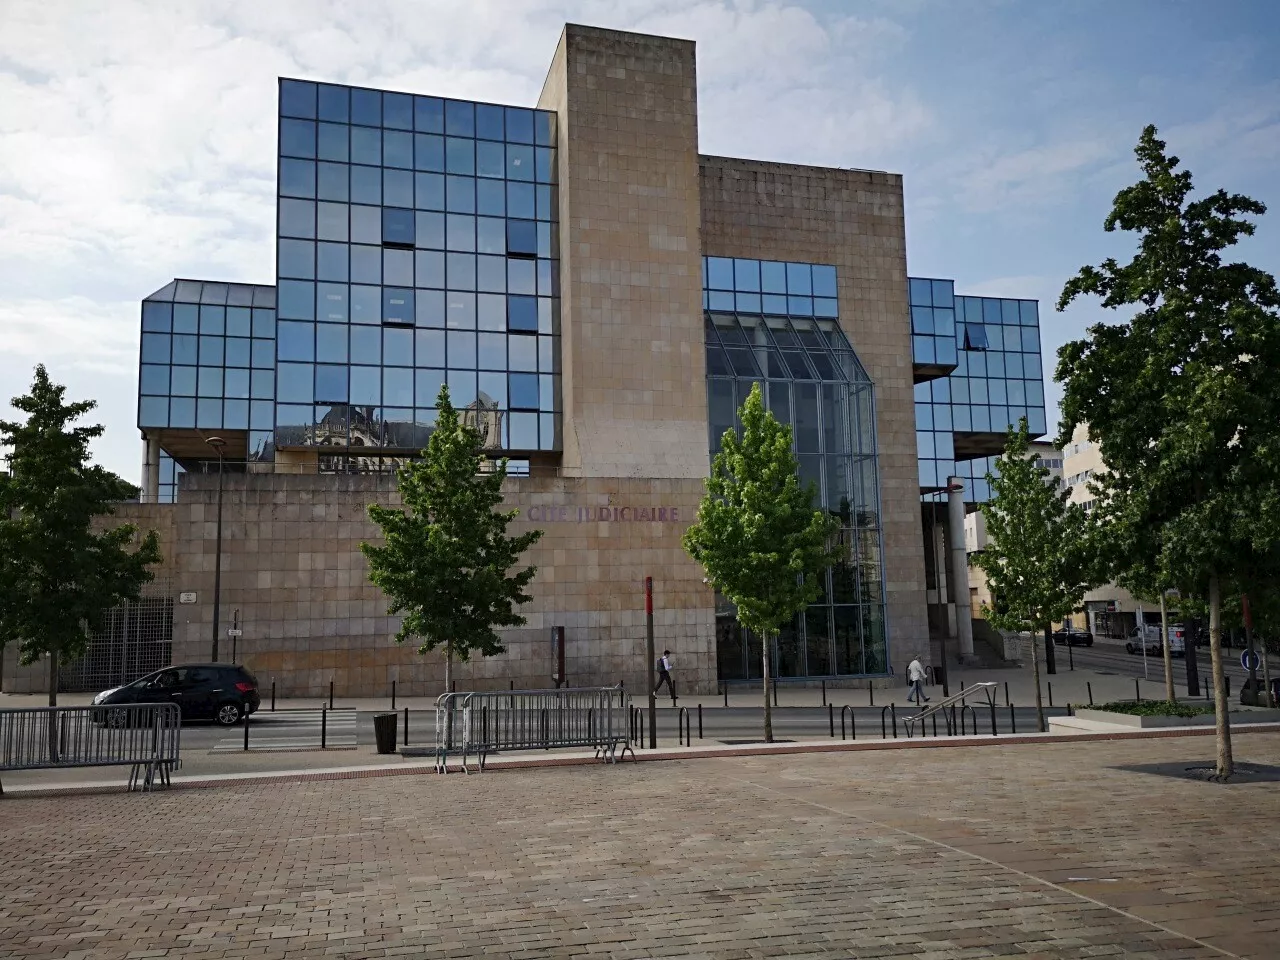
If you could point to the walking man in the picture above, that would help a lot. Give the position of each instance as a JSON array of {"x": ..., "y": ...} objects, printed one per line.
[
  {"x": 664, "y": 675},
  {"x": 915, "y": 677}
]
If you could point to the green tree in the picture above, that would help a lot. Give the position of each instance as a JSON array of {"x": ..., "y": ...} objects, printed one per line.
[
  {"x": 757, "y": 534},
  {"x": 1183, "y": 398},
  {"x": 60, "y": 570},
  {"x": 1037, "y": 558},
  {"x": 446, "y": 562}
]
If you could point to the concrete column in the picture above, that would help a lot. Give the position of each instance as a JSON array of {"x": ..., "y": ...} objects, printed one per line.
[
  {"x": 151, "y": 472},
  {"x": 959, "y": 578}
]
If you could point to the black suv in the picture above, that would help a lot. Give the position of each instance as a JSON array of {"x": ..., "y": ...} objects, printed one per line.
[{"x": 203, "y": 691}]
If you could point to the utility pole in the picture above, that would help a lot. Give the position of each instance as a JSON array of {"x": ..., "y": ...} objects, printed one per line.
[{"x": 648, "y": 652}]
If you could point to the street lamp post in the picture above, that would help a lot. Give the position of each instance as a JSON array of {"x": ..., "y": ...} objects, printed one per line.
[{"x": 217, "y": 443}]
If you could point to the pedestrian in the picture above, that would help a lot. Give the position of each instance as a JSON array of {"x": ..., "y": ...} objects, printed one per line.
[
  {"x": 915, "y": 679},
  {"x": 664, "y": 675}
]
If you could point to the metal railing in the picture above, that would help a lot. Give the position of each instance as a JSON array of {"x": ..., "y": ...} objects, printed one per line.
[
  {"x": 478, "y": 724},
  {"x": 988, "y": 689},
  {"x": 145, "y": 736}
]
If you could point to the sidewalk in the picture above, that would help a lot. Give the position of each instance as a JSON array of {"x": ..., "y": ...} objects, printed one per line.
[{"x": 1068, "y": 686}]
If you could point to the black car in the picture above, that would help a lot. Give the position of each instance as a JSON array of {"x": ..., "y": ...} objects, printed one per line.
[
  {"x": 220, "y": 692},
  {"x": 1073, "y": 637}
]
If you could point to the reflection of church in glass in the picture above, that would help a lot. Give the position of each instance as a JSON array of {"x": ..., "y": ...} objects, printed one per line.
[{"x": 353, "y": 429}]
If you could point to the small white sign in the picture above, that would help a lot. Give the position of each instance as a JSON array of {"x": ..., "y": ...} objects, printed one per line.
[
  {"x": 187, "y": 598},
  {"x": 233, "y": 632}
]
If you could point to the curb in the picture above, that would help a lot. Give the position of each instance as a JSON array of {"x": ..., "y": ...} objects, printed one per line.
[{"x": 268, "y": 778}]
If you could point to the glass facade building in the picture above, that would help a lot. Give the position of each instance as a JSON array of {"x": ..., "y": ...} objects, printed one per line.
[
  {"x": 978, "y": 370},
  {"x": 776, "y": 324},
  {"x": 416, "y": 247}
]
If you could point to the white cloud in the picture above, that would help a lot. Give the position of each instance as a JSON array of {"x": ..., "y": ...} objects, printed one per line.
[{"x": 137, "y": 137}]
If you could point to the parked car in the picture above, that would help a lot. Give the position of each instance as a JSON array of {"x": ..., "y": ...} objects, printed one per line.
[
  {"x": 220, "y": 692},
  {"x": 1146, "y": 637},
  {"x": 1073, "y": 636}
]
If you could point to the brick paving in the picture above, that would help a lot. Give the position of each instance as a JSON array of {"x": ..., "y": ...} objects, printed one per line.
[{"x": 1050, "y": 851}]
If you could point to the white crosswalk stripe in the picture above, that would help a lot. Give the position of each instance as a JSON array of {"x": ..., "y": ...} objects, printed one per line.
[{"x": 295, "y": 730}]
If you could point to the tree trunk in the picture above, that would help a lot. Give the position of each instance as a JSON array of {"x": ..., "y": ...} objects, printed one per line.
[
  {"x": 1221, "y": 702},
  {"x": 768, "y": 710},
  {"x": 1035, "y": 673},
  {"x": 1169, "y": 693},
  {"x": 53, "y": 675}
]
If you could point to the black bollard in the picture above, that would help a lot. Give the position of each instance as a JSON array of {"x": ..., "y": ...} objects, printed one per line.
[
  {"x": 699, "y": 721},
  {"x": 1013, "y": 719},
  {"x": 273, "y": 694},
  {"x": 324, "y": 727},
  {"x": 246, "y": 729},
  {"x": 1137, "y": 691},
  {"x": 726, "y": 694},
  {"x": 893, "y": 712},
  {"x": 1006, "y": 693},
  {"x": 1050, "y": 683},
  {"x": 330, "y": 694},
  {"x": 1089, "y": 684},
  {"x": 406, "y": 726},
  {"x": 824, "y": 693}
]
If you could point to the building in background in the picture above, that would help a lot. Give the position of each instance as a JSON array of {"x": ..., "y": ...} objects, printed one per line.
[{"x": 599, "y": 299}]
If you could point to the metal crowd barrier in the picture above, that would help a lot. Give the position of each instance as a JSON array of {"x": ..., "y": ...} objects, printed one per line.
[
  {"x": 145, "y": 736},
  {"x": 478, "y": 724}
]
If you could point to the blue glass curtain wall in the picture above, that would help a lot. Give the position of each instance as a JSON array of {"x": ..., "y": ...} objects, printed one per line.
[
  {"x": 775, "y": 324},
  {"x": 417, "y": 245},
  {"x": 207, "y": 359},
  {"x": 998, "y": 378}
]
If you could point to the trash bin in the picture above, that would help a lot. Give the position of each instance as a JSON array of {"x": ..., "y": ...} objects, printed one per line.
[{"x": 384, "y": 731}]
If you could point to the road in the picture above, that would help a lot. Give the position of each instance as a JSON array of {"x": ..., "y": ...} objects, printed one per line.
[{"x": 1110, "y": 657}]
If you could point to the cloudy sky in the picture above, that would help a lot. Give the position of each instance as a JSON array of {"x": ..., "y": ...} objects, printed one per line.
[{"x": 137, "y": 137}]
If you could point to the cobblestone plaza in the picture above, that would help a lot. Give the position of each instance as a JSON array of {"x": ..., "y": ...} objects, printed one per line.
[{"x": 800, "y": 856}]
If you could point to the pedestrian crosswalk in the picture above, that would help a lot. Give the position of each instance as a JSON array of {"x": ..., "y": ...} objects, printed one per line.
[{"x": 295, "y": 730}]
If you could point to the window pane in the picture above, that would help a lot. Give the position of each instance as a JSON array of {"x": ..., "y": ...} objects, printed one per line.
[
  {"x": 398, "y": 226},
  {"x": 295, "y": 341},
  {"x": 429, "y": 309},
  {"x": 366, "y": 345},
  {"x": 331, "y": 343},
  {"x": 397, "y": 305},
  {"x": 459, "y": 118},
  {"x": 397, "y": 348},
  {"x": 461, "y": 273},
  {"x": 297, "y": 138},
  {"x": 519, "y": 162},
  {"x": 297, "y": 258},
  {"x": 522, "y": 313},
  {"x": 332, "y": 262},
  {"x": 522, "y": 238},
  {"x": 366, "y": 304},
  {"x": 366, "y": 107},
  {"x": 460, "y": 233},
  {"x": 297, "y": 178},
  {"x": 331, "y": 220},
  {"x": 366, "y": 386},
  {"x": 523, "y": 351},
  {"x": 397, "y": 111},
  {"x": 460, "y": 194},
  {"x": 491, "y": 160},
  {"x": 429, "y": 345},
  {"x": 366, "y": 264},
  {"x": 297, "y": 218},
  {"x": 491, "y": 198},
  {"x": 459, "y": 155},
  {"x": 489, "y": 122},
  {"x": 366, "y": 184},
  {"x": 427, "y": 385},
  {"x": 334, "y": 142},
  {"x": 397, "y": 267},
  {"x": 461, "y": 350},
  {"x": 428, "y": 153},
  {"x": 334, "y": 181}
]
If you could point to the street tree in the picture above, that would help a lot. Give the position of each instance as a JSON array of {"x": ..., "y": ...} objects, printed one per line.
[
  {"x": 1038, "y": 558},
  {"x": 446, "y": 562},
  {"x": 63, "y": 565},
  {"x": 1183, "y": 397},
  {"x": 758, "y": 535}
]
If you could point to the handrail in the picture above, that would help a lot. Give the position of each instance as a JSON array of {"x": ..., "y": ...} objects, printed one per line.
[{"x": 988, "y": 690}]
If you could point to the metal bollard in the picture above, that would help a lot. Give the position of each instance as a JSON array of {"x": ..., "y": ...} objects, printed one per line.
[
  {"x": 1006, "y": 693},
  {"x": 393, "y": 694},
  {"x": 994, "y": 731},
  {"x": 511, "y": 684},
  {"x": 853, "y": 723},
  {"x": 775, "y": 691},
  {"x": 1050, "y": 682},
  {"x": 273, "y": 694},
  {"x": 1089, "y": 684},
  {"x": 245, "y": 721},
  {"x": 1013, "y": 719},
  {"x": 330, "y": 694},
  {"x": 453, "y": 686},
  {"x": 824, "y": 693},
  {"x": 699, "y": 721},
  {"x": 1137, "y": 691},
  {"x": 406, "y": 726},
  {"x": 726, "y": 694},
  {"x": 324, "y": 727},
  {"x": 871, "y": 693},
  {"x": 831, "y": 718}
]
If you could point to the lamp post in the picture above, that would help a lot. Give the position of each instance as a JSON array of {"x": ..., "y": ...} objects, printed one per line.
[{"x": 217, "y": 443}]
